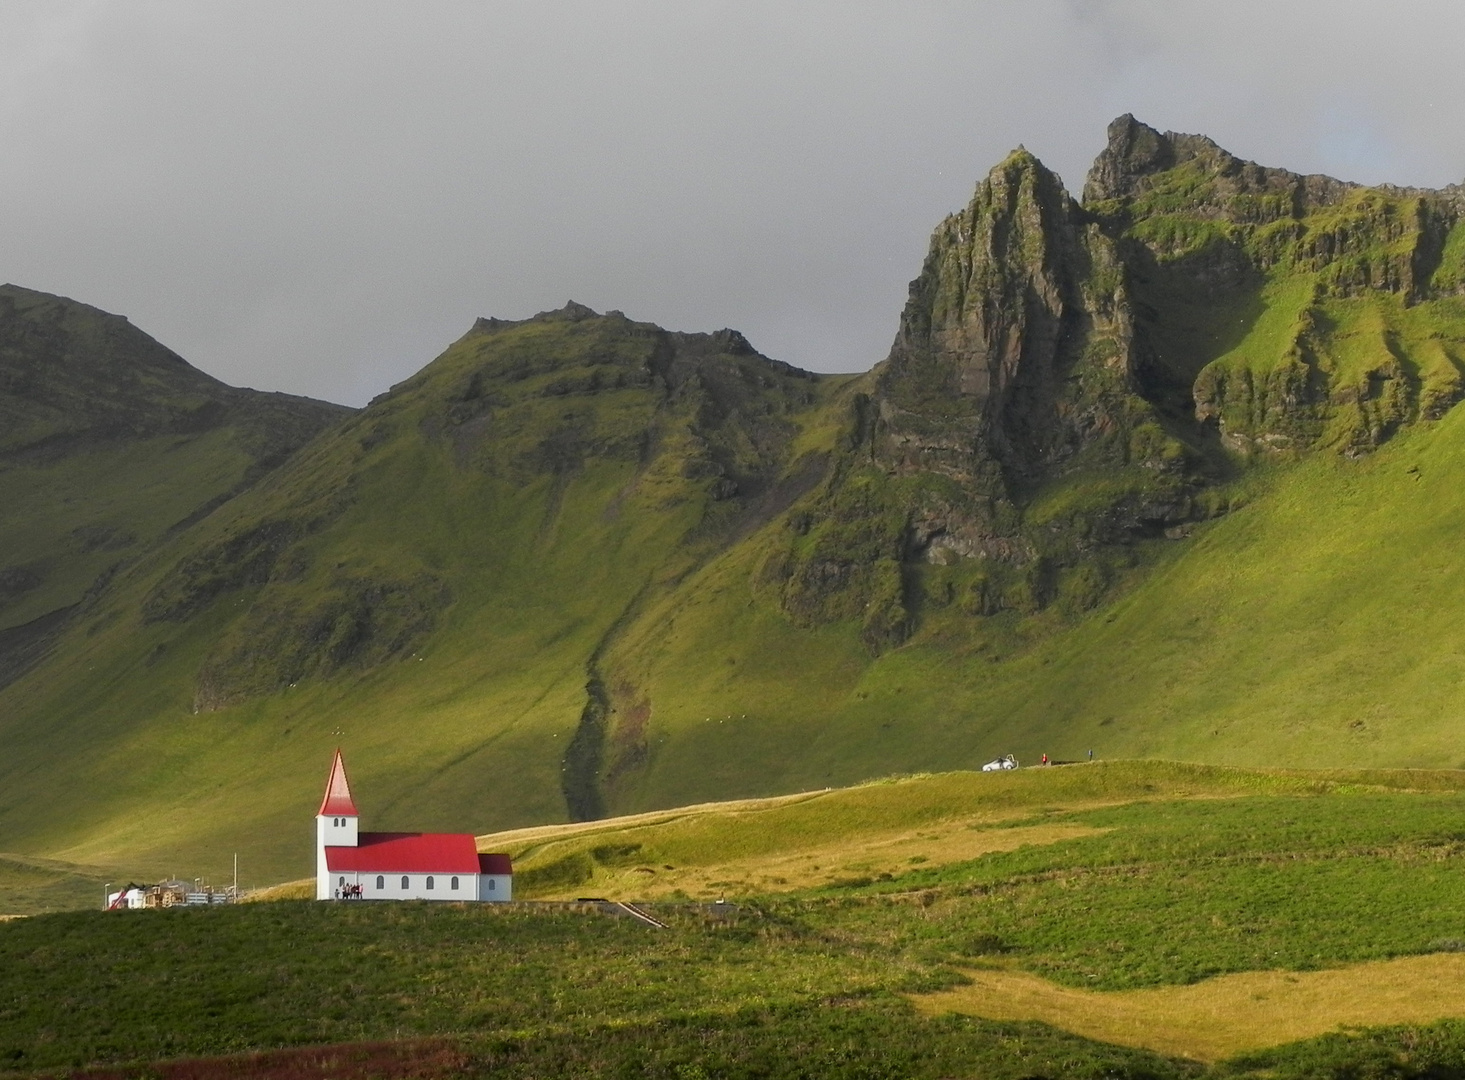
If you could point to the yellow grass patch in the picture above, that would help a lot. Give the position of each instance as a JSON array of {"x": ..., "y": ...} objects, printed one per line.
[
  {"x": 1226, "y": 1015},
  {"x": 518, "y": 838},
  {"x": 860, "y": 856},
  {"x": 303, "y": 889}
]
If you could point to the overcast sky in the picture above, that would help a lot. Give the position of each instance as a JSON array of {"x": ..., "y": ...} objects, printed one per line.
[{"x": 318, "y": 197}]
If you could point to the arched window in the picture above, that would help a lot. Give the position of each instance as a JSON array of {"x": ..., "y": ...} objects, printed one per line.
[
  {"x": 381, "y": 882},
  {"x": 492, "y": 884},
  {"x": 429, "y": 881},
  {"x": 343, "y": 881},
  {"x": 453, "y": 884},
  {"x": 404, "y": 881}
]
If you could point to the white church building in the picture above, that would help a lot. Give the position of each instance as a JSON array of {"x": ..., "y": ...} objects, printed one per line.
[{"x": 398, "y": 866}]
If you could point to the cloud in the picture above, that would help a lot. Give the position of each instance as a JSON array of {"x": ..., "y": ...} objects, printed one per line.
[{"x": 319, "y": 197}]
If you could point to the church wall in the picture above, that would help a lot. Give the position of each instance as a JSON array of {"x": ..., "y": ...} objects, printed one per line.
[
  {"x": 391, "y": 887},
  {"x": 330, "y": 831},
  {"x": 495, "y": 887}
]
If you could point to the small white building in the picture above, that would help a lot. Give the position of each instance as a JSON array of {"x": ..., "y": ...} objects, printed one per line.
[
  {"x": 398, "y": 866},
  {"x": 130, "y": 898}
]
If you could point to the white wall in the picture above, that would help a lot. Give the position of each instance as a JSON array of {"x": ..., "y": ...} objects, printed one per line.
[
  {"x": 442, "y": 886},
  {"x": 496, "y": 887},
  {"x": 330, "y": 832}
]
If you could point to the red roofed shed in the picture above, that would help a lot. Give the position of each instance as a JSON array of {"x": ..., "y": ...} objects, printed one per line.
[{"x": 495, "y": 864}]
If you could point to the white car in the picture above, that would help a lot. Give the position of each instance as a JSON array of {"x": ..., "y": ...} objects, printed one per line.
[{"x": 1002, "y": 764}]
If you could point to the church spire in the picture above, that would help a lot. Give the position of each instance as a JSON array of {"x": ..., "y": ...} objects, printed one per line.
[{"x": 338, "y": 792}]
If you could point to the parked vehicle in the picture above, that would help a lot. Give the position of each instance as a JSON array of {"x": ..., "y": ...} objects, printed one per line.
[{"x": 1002, "y": 764}]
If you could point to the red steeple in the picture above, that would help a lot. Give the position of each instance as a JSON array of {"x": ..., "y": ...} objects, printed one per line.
[{"x": 338, "y": 792}]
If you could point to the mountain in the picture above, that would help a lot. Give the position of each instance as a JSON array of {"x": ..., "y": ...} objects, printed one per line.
[
  {"x": 1166, "y": 471},
  {"x": 109, "y": 441},
  {"x": 427, "y": 581}
]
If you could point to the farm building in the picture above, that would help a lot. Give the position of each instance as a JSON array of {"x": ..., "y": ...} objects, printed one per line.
[
  {"x": 167, "y": 894},
  {"x": 398, "y": 866}
]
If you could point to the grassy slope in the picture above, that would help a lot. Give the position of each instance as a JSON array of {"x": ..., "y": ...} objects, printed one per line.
[
  {"x": 108, "y": 440},
  {"x": 502, "y": 685},
  {"x": 137, "y": 490},
  {"x": 1224, "y": 651},
  {"x": 815, "y": 838},
  {"x": 466, "y": 728},
  {"x": 1187, "y": 873},
  {"x": 1313, "y": 625}
]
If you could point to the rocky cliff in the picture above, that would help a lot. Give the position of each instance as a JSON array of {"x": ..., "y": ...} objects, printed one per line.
[
  {"x": 1352, "y": 289},
  {"x": 1068, "y": 378}
]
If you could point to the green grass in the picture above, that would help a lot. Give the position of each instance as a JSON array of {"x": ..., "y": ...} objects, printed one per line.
[
  {"x": 108, "y": 440},
  {"x": 90, "y": 510},
  {"x": 826, "y": 820},
  {"x": 1211, "y": 871},
  {"x": 292, "y": 973},
  {"x": 42, "y": 885},
  {"x": 1178, "y": 892},
  {"x": 1311, "y": 625}
]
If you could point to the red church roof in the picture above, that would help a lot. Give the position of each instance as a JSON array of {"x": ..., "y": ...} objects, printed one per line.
[
  {"x": 407, "y": 853},
  {"x": 338, "y": 792}
]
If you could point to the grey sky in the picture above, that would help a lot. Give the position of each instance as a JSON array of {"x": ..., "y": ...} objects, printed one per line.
[{"x": 317, "y": 197}]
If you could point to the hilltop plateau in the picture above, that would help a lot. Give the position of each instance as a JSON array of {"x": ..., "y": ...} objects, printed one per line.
[{"x": 1172, "y": 470}]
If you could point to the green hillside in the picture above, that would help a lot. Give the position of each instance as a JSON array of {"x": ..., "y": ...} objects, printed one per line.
[
  {"x": 1313, "y": 625},
  {"x": 427, "y": 584},
  {"x": 109, "y": 441},
  {"x": 1169, "y": 472}
]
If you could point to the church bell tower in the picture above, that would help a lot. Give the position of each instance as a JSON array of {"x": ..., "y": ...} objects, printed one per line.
[{"x": 335, "y": 824}]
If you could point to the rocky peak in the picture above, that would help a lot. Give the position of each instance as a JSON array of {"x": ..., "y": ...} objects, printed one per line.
[
  {"x": 571, "y": 312},
  {"x": 1013, "y": 372},
  {"x": 1134, "y": 150},
  {"x": 1004, "y": 307},
  {"x": 1137, "y": 154},
  {"x": 991, "y": 269}
]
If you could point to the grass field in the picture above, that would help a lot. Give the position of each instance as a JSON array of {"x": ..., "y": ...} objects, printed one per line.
[
  {"x": 29, "y": 885},
  {"x": 1225, "y": 1016},
  {"x": 1156, "y": 917}
]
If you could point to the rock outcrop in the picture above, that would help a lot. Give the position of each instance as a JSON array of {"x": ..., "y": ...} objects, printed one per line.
[
  {"x": 1015, "y": 356},
  {"x": 1015, "y": 365},
  {"x": 1068, "y": 378},
  {"x": 1329, "y": 262}
]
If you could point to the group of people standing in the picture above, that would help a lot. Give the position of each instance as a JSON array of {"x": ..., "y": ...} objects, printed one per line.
[{"x": 348, "y": 892}]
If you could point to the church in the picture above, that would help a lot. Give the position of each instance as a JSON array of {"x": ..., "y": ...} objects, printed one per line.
[{"x": 398, "y": 866}]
